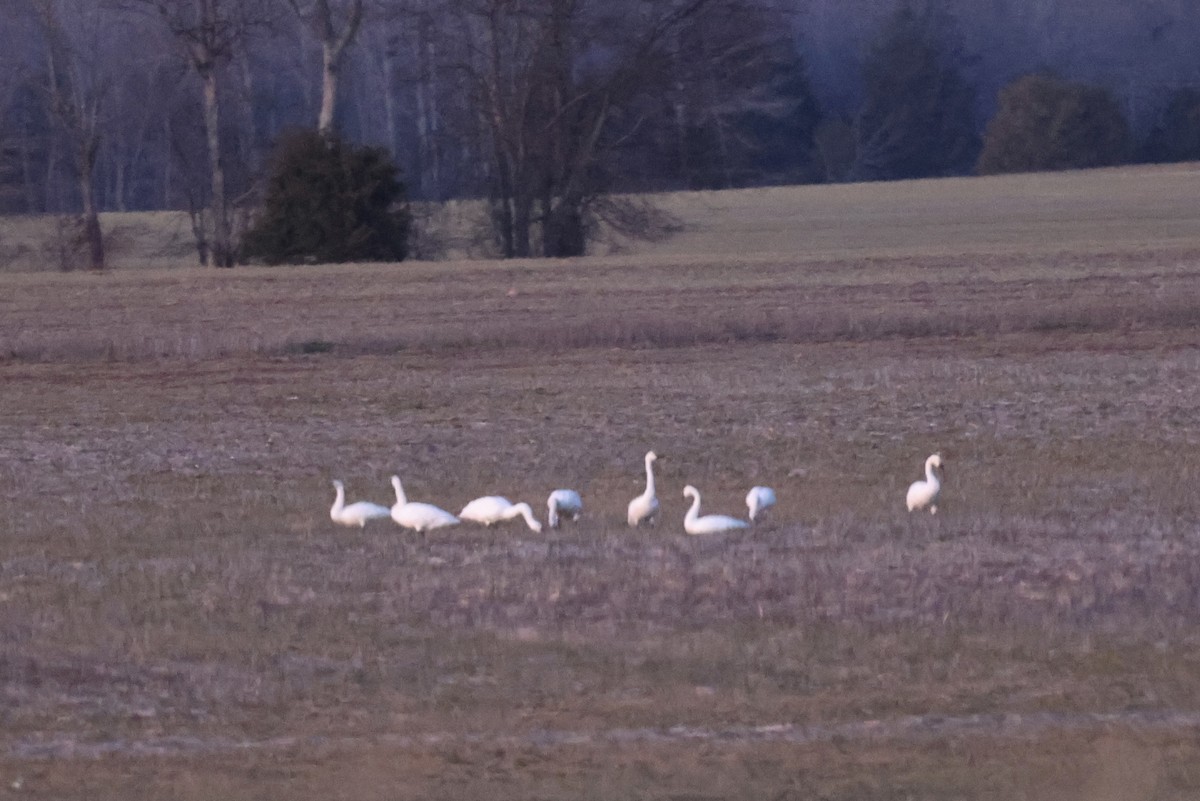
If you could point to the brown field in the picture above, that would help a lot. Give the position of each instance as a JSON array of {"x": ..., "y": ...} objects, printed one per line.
[{"x": 180, "y": 619}]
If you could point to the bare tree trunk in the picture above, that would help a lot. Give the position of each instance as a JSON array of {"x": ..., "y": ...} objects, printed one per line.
[
  {"x": 28, "y": 184},
  {"x": 196, "y": 218},
  {"x": 679, "y": 118},
  {"x": 430, "y": 181},
  {"x": 118, "y": 186},
  {"x": 51, "y": 196},
  {"x": 220, "y": 245},
  {"x": 91, "y": 218},
  {"x": 555, "y": 89},
  {"x": 167, "y": 176},
  {"x": 389, "y": 110},
  {"x": 329, "y": 87},
  {"x": 211, "y": 32},
  {"x": 88, "y": 148},
  {"x": 76, "y": 99},
  {"x": 505, "y": 118},
  {"x": 426, "y": 155},
  {"x": 333, "y": 47},
  {"x": 502, "y": 208},
  {"x": 124, "y": 166},
  {"x": 247, "y": 124},
  {"x": 522, "y": 222}
]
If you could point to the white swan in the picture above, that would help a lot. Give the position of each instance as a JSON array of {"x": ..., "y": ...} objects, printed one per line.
[
  {"x": 356, "y": 514},
  {"x": 493, "y": 509},
  {"x": 564, "y": 502},
  {"x": 420, "y": 517},
  {"x": 759, "y": 500},
  {"x": 924, "y": 494},
  {"x": 709, "y": 524},
  {"x": 644, "y": 507}
]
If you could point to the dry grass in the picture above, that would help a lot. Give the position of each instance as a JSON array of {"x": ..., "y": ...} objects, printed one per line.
[
  {"x": 1112, "y": 766},
  {"x": 140, "y": 240},
  {"x": 450, "y": 308},
  {"x": 170, "y": 581},
  {"x": 1093, "y": 210}
]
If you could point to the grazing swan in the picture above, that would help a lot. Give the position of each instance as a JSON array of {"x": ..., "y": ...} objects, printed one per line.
[
  {"x": 564, "y": 502},
  {"x": 709, "y": 524},
  {"x": 420, "y": 517},
  {"x": 924, "y": 494},
  {"x": 356, "y": 514},
  {"x": 494, "y": 509},
  {"x": 644, "y": 507},
  {"x": 759, "y": 500}
]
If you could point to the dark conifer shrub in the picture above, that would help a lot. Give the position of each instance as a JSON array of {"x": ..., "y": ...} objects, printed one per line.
[{"x": 328, "y": 201}]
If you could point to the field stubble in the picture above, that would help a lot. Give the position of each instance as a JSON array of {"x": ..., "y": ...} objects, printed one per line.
[{"x": 169, "y": 569}]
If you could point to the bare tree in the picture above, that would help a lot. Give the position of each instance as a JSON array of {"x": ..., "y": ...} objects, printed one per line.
[
  {"x": 77, "y": 86},
  {"x": 500, "y": 64},
  {"x": 127, "y": 139},
  {"x": 742, "y": 110},
  {"x": 400, "y": 72},
  {"x": 320, "y": 15},
  {"x": 210, "y": 31},
  {"x": 549, "y": 80},
  {"x": 545, "y": 106}
]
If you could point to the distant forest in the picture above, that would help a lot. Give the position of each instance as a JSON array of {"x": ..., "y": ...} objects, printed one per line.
[{"x": 545, "y": 107}]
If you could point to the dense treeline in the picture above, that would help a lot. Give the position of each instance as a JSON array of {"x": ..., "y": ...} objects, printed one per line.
[{"x": 545, "y": 107}]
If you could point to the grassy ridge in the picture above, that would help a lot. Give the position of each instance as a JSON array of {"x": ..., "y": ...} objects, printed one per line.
[{"x": 1094, "y": 210}]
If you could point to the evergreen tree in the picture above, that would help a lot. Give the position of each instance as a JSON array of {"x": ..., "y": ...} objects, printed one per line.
[
  {"x": 918, "y": 116},
  {"x": 750, "y": 113},
  {"x": 779, "y": 128},
  {"x": 328, "y": 201}
]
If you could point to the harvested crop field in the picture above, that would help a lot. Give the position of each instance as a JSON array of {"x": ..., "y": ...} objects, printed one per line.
[{"x": 179, "y": 617}]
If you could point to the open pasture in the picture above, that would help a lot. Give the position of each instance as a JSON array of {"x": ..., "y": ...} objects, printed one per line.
[{"x": 179, "y": 618}]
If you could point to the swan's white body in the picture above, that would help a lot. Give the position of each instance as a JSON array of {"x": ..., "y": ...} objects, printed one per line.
[
  {"x": 709, "y": 524},
  {"x": 356, "y": 514},
  {"x": 420, "y": 517},
  {"x": 759, "y": 500},
  {"x": 493, "y": 509},
  {"x": 924, "y": 494},
  {"x": 644, "y": 507},
  {"x": 563, "y": 503}
]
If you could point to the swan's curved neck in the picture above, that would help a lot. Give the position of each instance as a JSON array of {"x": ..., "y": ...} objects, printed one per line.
[
  {"x": 694, "y": 511},
  {"x": 340, "y": 500},
  {"x": 649, "y": 477},
  {"x": 400, "y": 498},
  {"x": 522, "y": 510},
  {"x": 930, "y": 475}
]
